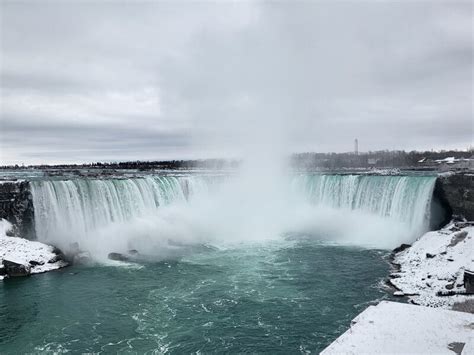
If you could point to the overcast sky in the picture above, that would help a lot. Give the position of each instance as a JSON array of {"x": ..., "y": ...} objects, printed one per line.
[{"x": 88, "y": 81}]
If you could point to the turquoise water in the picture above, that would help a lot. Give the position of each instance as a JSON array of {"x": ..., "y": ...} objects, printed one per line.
[{"x": 290, "y": 296}]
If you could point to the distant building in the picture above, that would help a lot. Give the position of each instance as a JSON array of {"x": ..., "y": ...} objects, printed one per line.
[
  {"x": 373, "y": 161},
  {"x": 450, "y": 163},
  {"x": 448, "y": 160},
  {"x": 356, "y": 146}
]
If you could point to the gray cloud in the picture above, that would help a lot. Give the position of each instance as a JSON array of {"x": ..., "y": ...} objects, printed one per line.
[{"x": 85, "y": 81}]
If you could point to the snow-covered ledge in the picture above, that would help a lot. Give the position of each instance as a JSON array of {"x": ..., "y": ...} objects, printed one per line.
[
  {"x": 431, "y": 271},
  {"x": 23, "y": 257},
  {"x": 398, "y": 328}
]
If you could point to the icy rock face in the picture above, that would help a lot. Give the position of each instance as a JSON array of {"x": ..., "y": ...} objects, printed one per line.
[
  {"x": 432, "y": 271},
  {"x": 21, "y": 257},
  {"x": 457, "y": 190},
  {"x": 16, "y": 206}
]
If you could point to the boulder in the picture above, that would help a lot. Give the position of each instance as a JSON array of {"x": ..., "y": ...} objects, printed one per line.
[
  {"x": 117, "y": 257},
  {"x": 36, "y": 263},
  {"x": 401, "y": 248},
  {"x": 449, "y": 286},
  {"x": 14, "y": 269}
]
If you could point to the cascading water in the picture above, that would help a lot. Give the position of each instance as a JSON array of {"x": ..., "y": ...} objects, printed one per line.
[
  {"x": 405, "y": 199},
  {"x": 151, "y": 212},
  {"x": 70, "y": 209}
]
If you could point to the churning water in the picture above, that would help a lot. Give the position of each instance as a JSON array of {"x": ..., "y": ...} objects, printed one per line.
[{"x": 276, "y": 297}]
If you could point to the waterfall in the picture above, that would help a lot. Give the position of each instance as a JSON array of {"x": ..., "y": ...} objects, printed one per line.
[
  {"x": 79, "y": 206},
  {"x": 406, "y": 199},
  {"x": 70, "y": 210}
]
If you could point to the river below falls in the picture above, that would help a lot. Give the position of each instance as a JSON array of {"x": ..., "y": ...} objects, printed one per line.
[{"x": 291, "y": 296}]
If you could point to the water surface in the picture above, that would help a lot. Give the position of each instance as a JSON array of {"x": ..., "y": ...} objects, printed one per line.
[{"x": 279, "y": 297}]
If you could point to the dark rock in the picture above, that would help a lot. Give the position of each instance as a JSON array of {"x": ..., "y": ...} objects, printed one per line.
[
  {"x": 57, "y": 251},
  {"x": 118, "y": 257},
  {"x": 450, "y": 259},
  {"x": 469, "y": 281},
  {"x": 56, "y": 258},
  {"x": 13, "y": 269},
  {"x": 456, "y": 347},
  {"x": 133, "y": 252},
  {"x": 449, "y": 286},
  {"x": 36, "y": 263},
  {"x": 16, "y": 206},
  {"x": 466, "y": 305},
  {"x": 430, "y": 256},
  {"x": 411, "y": 294},
  {"x": 457, "y": 191},
  {"x": 450, "y": 293},
  {"x": 401, "y": 248},
  {"x": 396, "y": 268}
]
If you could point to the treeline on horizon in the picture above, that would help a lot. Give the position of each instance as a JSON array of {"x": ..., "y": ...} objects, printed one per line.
[
  {"x": 382, "y": 159},
  {"x": 385, "y": 158}
]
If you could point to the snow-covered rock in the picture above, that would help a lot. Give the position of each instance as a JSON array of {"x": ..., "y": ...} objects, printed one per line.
[
  {"x": 434, "y": 264},
  {"x": 398, "y": 328},
  {"x": 384, "y": 172},
  {"x": 35, "y": 256}
]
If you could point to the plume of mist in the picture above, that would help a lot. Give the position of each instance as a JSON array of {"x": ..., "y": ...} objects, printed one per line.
[{"x": 255, "y": 205}]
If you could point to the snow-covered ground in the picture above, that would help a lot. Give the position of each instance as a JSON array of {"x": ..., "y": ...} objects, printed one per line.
[
  {"x": 436, "y": 262},
  {"x": 23, "y": 251},
  {"x": 383, "y": 172},
  {"x": 398, "y": 328}
]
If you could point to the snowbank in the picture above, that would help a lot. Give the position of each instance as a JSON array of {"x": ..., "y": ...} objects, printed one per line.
[
  {"x": 436, "y": 263},
  {"x": 399, "y": 328},
  {"x": 38, "y": 257}
]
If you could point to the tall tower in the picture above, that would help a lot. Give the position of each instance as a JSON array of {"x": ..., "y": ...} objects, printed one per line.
[{"x": 356, "y": 146}]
